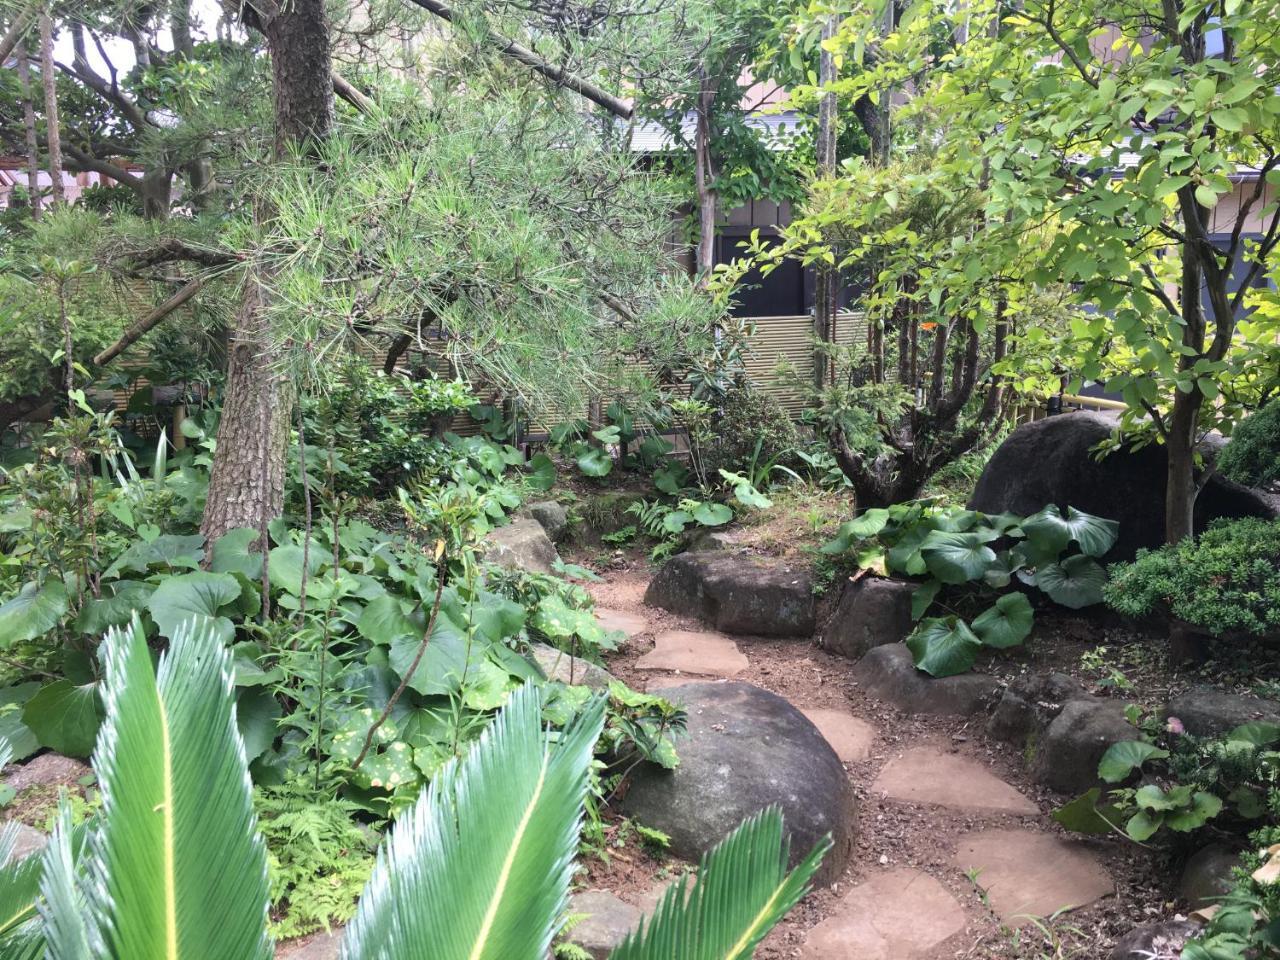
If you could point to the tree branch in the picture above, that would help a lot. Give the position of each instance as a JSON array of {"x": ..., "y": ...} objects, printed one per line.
[
  {"x": 105, "y": 167},
  {"x": 25, "y": 18},
  {"x": 144, "y": 326},
  {"x": 352, "y": 95}
]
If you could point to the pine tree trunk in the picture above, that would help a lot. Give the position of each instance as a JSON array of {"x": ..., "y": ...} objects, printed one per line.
[
  {"x": 246, "y": 488},
  {"x": 49, "y": 77},
  {"x": 29, "y": 125}
]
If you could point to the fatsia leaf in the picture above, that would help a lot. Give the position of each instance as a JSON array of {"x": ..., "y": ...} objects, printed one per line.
[
  {"x": 479, "y": 867},
  {"x": 958, "y": 557},
  {"x": 178, "y": 870},
  {"x": 742, "y": 890},
  {"x": 1006, "y": 623},
  {"x": 1075, "y": 582}
]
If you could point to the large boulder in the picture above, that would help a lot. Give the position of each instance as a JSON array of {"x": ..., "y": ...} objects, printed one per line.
[
  {"x": 1050, "y": 461},
  {"x": 889, "y": 673},
  {"x": 746, "y": 749},
  {"x": 605, "y": 922},
  {"x": 558, "y": 665},
  {"x": 1209, "y": 712},
  {"x": 737, "y": 593},
  {"x": 1066, "y": 757},
  {"x": 552, "y": 516},
  {"x": 1208, "y": 876},
  {"x": 521, "y": 545},
  {"x": 1155, "y": 941},
  {"x": 872, "y": 612}
]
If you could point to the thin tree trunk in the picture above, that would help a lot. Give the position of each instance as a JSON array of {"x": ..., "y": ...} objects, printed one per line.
[
  {"x": 29, "y": 125},
  {"x": 827, "y": 280},
  {"x": 1180, "y": 486},
  {"x": 199, "y": 170},
  {"x": 246, "y": 487},
  {"x": 49, "y": 77},
  {"x": 704, "y": 177}
]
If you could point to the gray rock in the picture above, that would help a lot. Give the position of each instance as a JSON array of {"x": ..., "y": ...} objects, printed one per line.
[
  {"x": 51, "y": 770},
  {"x": 553, "y": 517},
  {"x": 746, "y": 749},
  {"x": 737, "y": 593},
  {"x": 325, "y": 945},
  {"x": 872, "y": 613},
  {"x": 29, "y": 841},
  {"x": 1051, "y": 461},
  {"x": 608, "y": 920},
  {"x": 1208, "y": 712},
  {"x": 558, "y": 665},
  {"x": 1066, "y": 757},
  {"x": 888, "y": 673},
  {"x": 1206, "y": 877},
  {"x": 1029, "y": 704},
  {"x": 703, "y": 540},
  {"x": 521, "y": 545},
  {"x": 1155, "y": 941}
]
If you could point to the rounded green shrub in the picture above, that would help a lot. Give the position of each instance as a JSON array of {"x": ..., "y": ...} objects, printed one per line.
[
  {"x": 1252, "y": 456},
  {"x": 1225, "y": 581}
]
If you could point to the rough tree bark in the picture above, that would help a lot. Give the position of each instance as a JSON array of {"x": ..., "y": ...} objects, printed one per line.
[
  {"x": 246, "y": 488},
  {"x": 49, "y": 77},
  {"x": 704, "y": 176},
  {"x": 827, "y": 280},
  {"x": 29, "y": 125}
]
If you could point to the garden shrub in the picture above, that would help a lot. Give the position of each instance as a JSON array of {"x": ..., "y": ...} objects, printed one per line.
[
  {"x": 1252, "y": 457},
  {"x": 1225, "y": 581},
  {"x": 751, "y": 429}
]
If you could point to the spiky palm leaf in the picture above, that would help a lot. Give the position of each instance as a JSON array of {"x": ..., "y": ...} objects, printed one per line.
[
  {"x": 479, "y": 868},
  {"x": 176, "y": 869},
  {"x": 742, "y": 890}
]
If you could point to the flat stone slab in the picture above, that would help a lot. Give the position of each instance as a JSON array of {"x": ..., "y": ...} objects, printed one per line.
[
  {"x": 560, "y": 666},
  {"x": 606, "y": 922},
  {"x": 1027, "y": 874},
  {"x": 629, "y": 624},
  {"x": 688, "y": 651},
  {"x": 927, "y": 775},
  {"x": 850, "y": 737},
  {"x": 318, "y": 946},
  {"x": 895, "y": 915}
]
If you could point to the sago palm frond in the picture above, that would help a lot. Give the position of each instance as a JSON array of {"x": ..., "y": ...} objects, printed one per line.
[
  {"x": 176, "y": 869},
  {"x": 742, "y": 890},
  {"x": 63, "y": 907},
  {"x": 479, "y": 868}
]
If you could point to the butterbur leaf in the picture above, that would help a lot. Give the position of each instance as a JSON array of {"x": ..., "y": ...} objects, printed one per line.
[
  {"x": 1142, "y": 826},
  {"x": 957, "y": 557},
  {"x": 65, "y": 717},
  {"x": 542, "y": 472},
  {"x": 1123, "y": 758},
  {"x": 712, "y": 514},
  {"x": 922, "y": 598},
  {"x": 231, "y": 554},
  {"x": 1086, "y": 814},
  {"x": 1257, "y": 734},
  {"x": 867, "y": 525},
  {"x": 1204, "y": 807},
  {"x": 1050, "y": 532},
  {"x": 1007, "y": 623},
  {"x": 670, "y": 479},
  {"x": 1076, "y": 582},
  {"x": 195, "y": 597},
  {"x": 594, "y": 461},
  {"x": 36, "y": 610},
  {"x": 944, "y": 646}
]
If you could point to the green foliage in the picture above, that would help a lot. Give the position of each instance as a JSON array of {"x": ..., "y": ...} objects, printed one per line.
[
  {"x": 319, "y": 858},
  {"x": 1245, "y": 925},
  {"x": 478, "y": 868},
  {"x": 955, "y": 547},
  {"x": 1226, "y": 581},
  {"x": 1252, "y": 455},
  {"x": 1185, "y": 782}
]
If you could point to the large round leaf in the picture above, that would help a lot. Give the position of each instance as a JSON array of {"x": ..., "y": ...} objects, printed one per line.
[
  {"x": 957, "y": 557},
  {"x": 284, "y": 566},
  {"x": 943, "y": 646},
  {"x": 169, "y": 550},
  {"x": 231, "y": 553},
  {"x": 196, "y": 597},
  {"x": 257, "y": 717},
  {"x": 595, "y": 461},
  {"x": 712, "y": 514},
  {"x": 1075, "y": 582},
  {"x": 1050, "y": 532},
  {"x": 36, "y": 610},
  {"x": 65, "y": 717},
  {"x": 542, "y": 473},
  {"x": 383, "y": 621},
  {"x": 1007, "y": 623},
  {"x": 115, "y": 608},
  {"x": 1123, "y": 758}
]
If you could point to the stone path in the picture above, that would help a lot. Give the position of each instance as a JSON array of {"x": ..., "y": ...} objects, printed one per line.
[{"x": 893, "y": 912}]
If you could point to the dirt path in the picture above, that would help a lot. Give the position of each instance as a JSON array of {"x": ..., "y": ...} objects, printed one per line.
[{"x": 898, "y": 834}]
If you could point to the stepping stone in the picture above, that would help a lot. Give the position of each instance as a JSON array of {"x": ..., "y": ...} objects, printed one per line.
[
  {"x": 319, "y": 946},
  {"x": 686, "y": 651},
  {"x": 629, "y": 624},
  {"x": 895, "y": 915},
  {"x": 607, "y": 921},
  {"x": 1029, "y": 874},
  {"x": 928, "y": 775},
  {"x": 850, "y": 737}
]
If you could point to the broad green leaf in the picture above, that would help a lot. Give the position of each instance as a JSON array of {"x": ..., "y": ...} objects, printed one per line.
[
  {"x": 194, "y": 597},
  {"x": 231, "y": 554},
  {"x": 749, "y": 496},
  {"x": 1204, "y": 807},
  {"x": 711, "y": 514},
  {"x": 1257, "y": 734},
  {"x": 1142, "y": 826},
  {"x": 1051, "y": 533},
  {"x": 1086, "y": 814},
  {"x": 1075, "y": 582},
  {"x": 742, "y": 889},
  {"x": 180, "y": 870},
  {"x": 595, "y": 462},
  {"x": 1006, "y": 623},
  {"x": 1122, "y": 758},
  {"x": 120, "y": 601},
  {"x": 670, "y": 479},
  {"x": 21, "y": 740},
  {"x": 65, "y": 717},
  {"x": 257, "y": 713},
  {"x": 284, "y": 567},
  {"x": 479, "y": 868},
  {"x": 36, "y": 610},
  {"x": 541, "y": 474},
  {"x": 384, "y": 621},
  {"x": 922, "y": 598},
  {"x": 676, "y": 520},
  {"x": 167, "y": 550},
  {"x": 944, "y": 646},
  {"x": 957, "y": 557}
]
